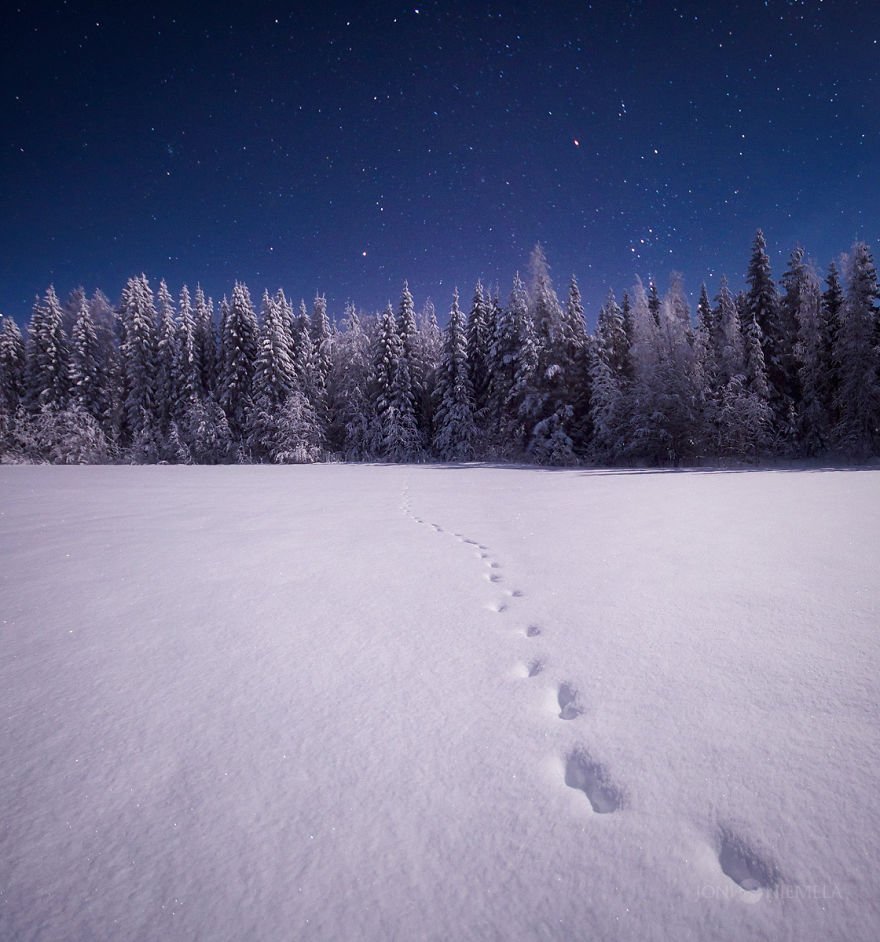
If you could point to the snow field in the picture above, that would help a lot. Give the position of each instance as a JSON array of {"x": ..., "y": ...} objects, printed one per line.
[{"x": 408, "y": 702}]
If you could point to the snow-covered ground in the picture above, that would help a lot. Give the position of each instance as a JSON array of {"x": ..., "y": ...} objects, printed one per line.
[{"x": 425, "y": 703}]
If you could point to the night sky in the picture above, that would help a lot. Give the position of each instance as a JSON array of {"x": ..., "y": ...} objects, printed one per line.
[{"x": 345, "y": 147}]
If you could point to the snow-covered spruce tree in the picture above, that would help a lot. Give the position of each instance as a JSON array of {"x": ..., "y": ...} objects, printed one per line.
[
  {"x": 347, "y": 388},
  {"x": 240, "y": 341},
  {"x": 706, "y": 377},
  {"x": 858, "y": 400},
  {"x": 139, "y": 358},
  {"x": 411, "y": 358},
  {"x": 679, "y": 403},
  {"x": 546, "y": 407},
  {"x": 512, "y": 360},
  {"x": 762, "y": 306},
  {"x": 88, "y": 372},
  {"x": 479, "y": 339},
  {"x": 274, "y": 380},
  {"x": 646, "y": 439},
  {"x": 166, "y": 354},
  {"x": 187, "y": 371},
  {"x": 455, "y": 433},
  {"x": 305, "y": 358},
  {"x": 395, "y": 435},
  {"x": 830, "y": 319},
  {"x": 800, "y": 304},
  {"x": 610, "y": 372},
  {"x": 207, "y": 354},
  {"x": 12, "y": 366},
  {"x": 730, "y": 352},
  {"x": 576, "y": 345},
  {"x": 654, "y": 300},
  {"x": 430, "y": 353},
  {"x": 48, "y": 371},
  {"x": 322, "y": 340}
]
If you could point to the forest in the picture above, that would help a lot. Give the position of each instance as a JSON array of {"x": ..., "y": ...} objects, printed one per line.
[{"x": 786, "y": 370}]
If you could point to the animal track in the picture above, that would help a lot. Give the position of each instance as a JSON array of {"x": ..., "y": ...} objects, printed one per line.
[
  {"x": 583, "y": 773},
  {"x": 532, "y": 631},
  {"x": 499, "y": 607},
  {"x": 743, "y": 864},
  {"x": 492, "y": 577},
  {"x": 567, "y": 698},
  {"x": 515, "y": 593},
  {"x": 535, "y": 667}
]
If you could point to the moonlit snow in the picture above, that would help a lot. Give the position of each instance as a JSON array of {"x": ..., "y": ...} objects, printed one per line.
[{"x": 339, "y": 702}]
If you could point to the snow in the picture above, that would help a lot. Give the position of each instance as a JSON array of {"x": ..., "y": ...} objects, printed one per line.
[{"x": 340, "y": 702}]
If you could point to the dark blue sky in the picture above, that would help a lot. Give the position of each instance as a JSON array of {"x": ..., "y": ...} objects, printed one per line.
[{"x": 345, "y": 147}]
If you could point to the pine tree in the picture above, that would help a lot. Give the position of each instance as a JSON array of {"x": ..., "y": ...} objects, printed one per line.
[
  {"x": 48, "y": 368},
  {"x": 800, "y": 304},
  {"x": 762, "y": 307},
  {"x": 858, "y": 401},
  {"x": 88, "y": 374},
  {"x": 207, "y": 354},
  {"x": 139, "y": 356},
  {"x": 413, "y": 368},
  {"x": 706, "y": 376},
  {"x": 166, "y": 355},
  {"x": 548, "y": 408},
  {"x": 348, "y": 385},
  {"x": 12, "y": 366},
  {"x": 830, "y": 318},
  {"x": 576, "y": 343},
  {"x": 187, "y": 378},
  {"x": 322, "y": 340},
  {"x": 513, "y": 359},
  {"x": 274, "y": 380},
  {"x": 654, "y": 301},
  {"x": 395, "y": 435},
  {"x": 479, "y": 339},
  {"x": 239, "y": 344},
  {"x": 454, "y": 430}
]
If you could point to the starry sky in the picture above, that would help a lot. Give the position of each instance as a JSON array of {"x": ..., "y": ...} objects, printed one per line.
[{"x": 342, "y": 148}]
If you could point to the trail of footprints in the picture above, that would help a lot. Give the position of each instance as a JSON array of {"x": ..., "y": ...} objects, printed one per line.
[{"x": 739, "y": 861}]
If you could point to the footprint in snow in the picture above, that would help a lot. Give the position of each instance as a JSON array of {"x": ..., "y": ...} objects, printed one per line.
[
  {"x": 498, "y": 607},
  {"x": 567, "y": 698},
  {"x": 743, "y": 864},
  {"x": 492, "y": 577},
  {"x": 515, "y": 593},
  {"x": 532, "y": 631},
  {"x": 583, "y": 773},
  {"x": 535, "y": 667}
]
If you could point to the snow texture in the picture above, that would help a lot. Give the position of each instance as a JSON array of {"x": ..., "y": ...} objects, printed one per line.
[{"x": 379, "y": 702}]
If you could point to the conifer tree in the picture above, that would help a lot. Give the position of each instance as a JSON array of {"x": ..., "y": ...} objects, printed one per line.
[
  {"x": 88, "y": 375},
  {"x": 187, "y": 373},
  {"x": 239, "y": 342},
  {"x": 166, "y": 355},
  {"x": 48, "y": 371},
  {"x": 395, "y": 434},
  {"x": 348, "y": 387},
  {"x": 138, "y": 315},
  {"x": 858, "y": 400},
  {"x": 12, "y": 366},
  {"x": 479, "y": 339},
  {"x": 454, "y": 431},
  {"x": 830, "y": 318},
  {"x": 207, "y": 353}
]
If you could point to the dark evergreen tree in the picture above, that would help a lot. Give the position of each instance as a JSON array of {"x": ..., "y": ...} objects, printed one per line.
[
  {"x": 830, "y": 319},
  {"x": 12, "y": 366},
  {"x": 858, "y": 401},
  {"x": 455, "y": 433},
  {"x": 138, "y": 315},
  {"x": 48, "y": 356},
  {"x": 240, "y": 341},
  {"x": 88, "y": 372},
  {"x": 479, "y": 340}
]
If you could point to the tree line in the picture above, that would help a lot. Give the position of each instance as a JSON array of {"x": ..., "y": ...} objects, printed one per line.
[{"x": 789, "y": 369}]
